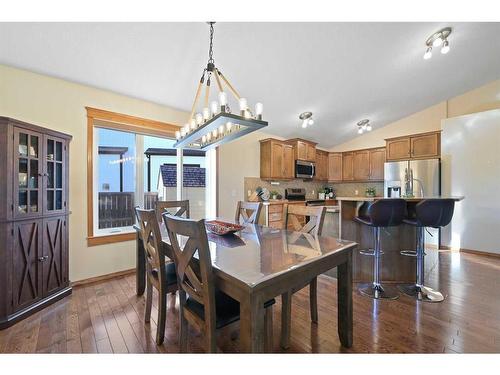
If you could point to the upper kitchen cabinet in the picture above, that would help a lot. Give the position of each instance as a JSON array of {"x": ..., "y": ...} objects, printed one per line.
[
  {"x": 335, "y": 167},
  {"x": 348, "y": 166},
  {"x": 276, "y": 160},
  {"x": 361, "y": 165},
  {"x": 321, "y": 165},
  {"x": 377, "y": 160},
  {"x": 303, "y": 150},
  {"x": 416, "y": 146}
]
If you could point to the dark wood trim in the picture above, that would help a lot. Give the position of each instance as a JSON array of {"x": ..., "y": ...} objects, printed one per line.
[
  {"x": 35, "y": 128},
  {"x": 108, "y": 276}
]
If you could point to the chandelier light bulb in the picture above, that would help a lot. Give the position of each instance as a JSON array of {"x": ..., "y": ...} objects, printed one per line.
[
  {"x": 186, "y": 128},
  {"x": 192, "y": 124},
  {"x": 206, "y": 114},
  {"x": 214, "y": 106},
  {"x": 222, "y": 98},
  {"x": 199, "y": 119},
  {"x": 258, "y": 110},
  {"x": 214, "y": 133},
  {"x": 428, "y": 53},
  {"x": 177, "y": 134},
  {"x": 445, "y": 48},
  {"x": 229, "y": 125},
  {"x": 437, "y": 42},
  {"x": 203, "y": 139},
  {"x": 221, "y": 130},
  {"x": 243, "y": 106},
  {"x": 183, "y": 132}
]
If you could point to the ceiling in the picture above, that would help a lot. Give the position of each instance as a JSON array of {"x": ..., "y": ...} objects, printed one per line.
[{"x": 342, "y": 72}]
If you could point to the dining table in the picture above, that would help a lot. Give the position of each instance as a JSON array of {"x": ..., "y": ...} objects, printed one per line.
[{"x": 259, "y": 263}]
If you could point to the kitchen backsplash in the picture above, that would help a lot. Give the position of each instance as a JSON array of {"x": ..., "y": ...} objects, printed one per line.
[{"x": 312, "y": 187}]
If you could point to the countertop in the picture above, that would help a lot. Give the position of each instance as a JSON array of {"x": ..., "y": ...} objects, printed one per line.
[
  {"x": 283, "y": 201},
  {"x": 415, "y": 199}
]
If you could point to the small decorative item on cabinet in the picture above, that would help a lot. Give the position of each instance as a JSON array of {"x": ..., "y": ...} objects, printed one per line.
[
  {"x": 274, "y": 194},
  {"x": 321, "y": 194},
  {"x": 370, "y": 191}
]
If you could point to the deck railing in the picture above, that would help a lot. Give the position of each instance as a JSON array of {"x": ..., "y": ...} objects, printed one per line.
[{"x": 116, "y": 209}]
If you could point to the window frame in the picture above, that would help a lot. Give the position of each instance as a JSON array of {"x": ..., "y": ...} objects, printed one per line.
[{"x": 121, "y": 122}]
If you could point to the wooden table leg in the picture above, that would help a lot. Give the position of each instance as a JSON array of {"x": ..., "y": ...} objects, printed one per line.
[
  {"x": 344, "y": 289},
  {"x": 252, "y": 325},
  {"x": 140, "y": 267}
]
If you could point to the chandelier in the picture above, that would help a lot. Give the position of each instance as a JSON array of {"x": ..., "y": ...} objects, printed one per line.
[{"x": 215, "y": 124}]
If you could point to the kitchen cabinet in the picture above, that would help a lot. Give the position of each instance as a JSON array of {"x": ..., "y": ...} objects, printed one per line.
[
  {"x": 361, "y": 165},
  {"x": 416, "y": 146},
  {"x": 321, "y": 165},
  {"x": 335, "y": 167},
  {"x": 347, "y": 166},
  {"x": 33, "y": 219},
  {"x": 303, "y": 150},
  {"x": 377, "y": 160},
  {"x": 276, "y": 160}
]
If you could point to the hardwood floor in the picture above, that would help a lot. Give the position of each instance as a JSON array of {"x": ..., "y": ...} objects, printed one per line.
[{"x": 107, "y": 317}]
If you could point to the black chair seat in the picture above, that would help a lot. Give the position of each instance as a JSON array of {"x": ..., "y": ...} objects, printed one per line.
[
  {"x": 169, "y": 271},
  {"x": 413, "y": 222},
  {"x": 227, "y": 309}
]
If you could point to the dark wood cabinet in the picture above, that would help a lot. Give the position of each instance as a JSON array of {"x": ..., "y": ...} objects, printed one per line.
[{"x": 33, "y": 218}]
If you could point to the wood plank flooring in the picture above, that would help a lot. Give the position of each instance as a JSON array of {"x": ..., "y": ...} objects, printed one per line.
[{"x": 107, "y": 317}]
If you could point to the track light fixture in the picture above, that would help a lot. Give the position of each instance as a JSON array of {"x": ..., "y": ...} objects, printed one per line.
[
  {"x": 307, "y": 119},
  {"x": 439, "y": 38},
  {"x": 364, "y": 125}
]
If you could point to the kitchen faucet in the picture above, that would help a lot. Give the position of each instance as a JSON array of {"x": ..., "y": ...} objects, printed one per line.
[{"x": 409, "y": 183}]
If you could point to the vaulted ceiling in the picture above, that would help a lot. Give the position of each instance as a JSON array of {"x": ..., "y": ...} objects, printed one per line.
[{"x": 342, "y": 72}]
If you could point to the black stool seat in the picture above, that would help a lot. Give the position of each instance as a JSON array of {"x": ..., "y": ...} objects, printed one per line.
[
  {"x": 381, "y": 213},
  {"x": 435, "y": 213}
]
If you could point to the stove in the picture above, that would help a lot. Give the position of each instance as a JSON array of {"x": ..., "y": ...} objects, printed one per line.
[{"x": 299, "y": 194}]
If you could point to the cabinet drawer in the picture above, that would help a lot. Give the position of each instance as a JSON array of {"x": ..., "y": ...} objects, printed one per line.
[
  {"x": 275, "y": 208},
  {"x": 275, "y": 216}
]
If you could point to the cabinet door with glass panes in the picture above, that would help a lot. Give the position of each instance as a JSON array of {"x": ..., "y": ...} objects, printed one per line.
[
  {"x": 28, "y": 173},
  {"x": 54, "y": 168}
]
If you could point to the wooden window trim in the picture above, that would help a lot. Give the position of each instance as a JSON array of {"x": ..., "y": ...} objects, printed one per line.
[{"x": 118, "y": 121}]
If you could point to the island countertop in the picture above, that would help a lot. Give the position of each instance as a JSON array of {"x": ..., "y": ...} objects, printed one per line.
[{"x": 413, "y": 199}]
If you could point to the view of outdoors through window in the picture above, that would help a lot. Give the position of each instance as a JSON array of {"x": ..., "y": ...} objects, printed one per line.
[{"x": 137, "y": 170}]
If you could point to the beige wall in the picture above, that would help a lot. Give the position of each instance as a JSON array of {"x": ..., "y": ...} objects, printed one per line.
[
  {"x": 481, "y": 99},
  {"x": 60, "y": 105}
]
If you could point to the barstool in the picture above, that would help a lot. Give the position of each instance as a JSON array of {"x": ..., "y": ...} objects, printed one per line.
[
  {"x": 381, "y": 213},
  {"x": 435, "y": 213}
]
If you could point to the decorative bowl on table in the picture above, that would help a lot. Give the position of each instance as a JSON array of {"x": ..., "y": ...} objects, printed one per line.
[{"x": 222, "y": 228}]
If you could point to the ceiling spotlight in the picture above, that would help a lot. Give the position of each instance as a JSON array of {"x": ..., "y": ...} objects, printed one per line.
[
  {"x": 364, "y": 125},
  {"x": 439, "y": 38},
  {"x": 428, "y": 53},
  {"x": 306, "y": 118},
  {"x": 445, "y": 48}
]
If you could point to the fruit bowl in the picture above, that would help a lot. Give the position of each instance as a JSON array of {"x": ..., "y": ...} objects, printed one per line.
[{"x": 222, "y": 228}]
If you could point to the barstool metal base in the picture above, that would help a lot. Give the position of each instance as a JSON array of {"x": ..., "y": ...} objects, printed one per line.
[
  {"x": 421, "y": 293},
  {"x": 378, "y": 291}
]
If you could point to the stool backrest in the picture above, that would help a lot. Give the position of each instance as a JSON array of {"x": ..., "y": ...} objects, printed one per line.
[
  {"x": 435, "y": 212},
  {"x": 387, "y": 212}
]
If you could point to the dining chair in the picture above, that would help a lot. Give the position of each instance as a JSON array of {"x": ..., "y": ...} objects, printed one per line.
[
  {"x": 200, "y": 302},
  {"x": 304, "y": 219},
  {"x": 160, "y": 272},
  {"x": 247, "y": 212},
  {"x": 163, "y": 206}
]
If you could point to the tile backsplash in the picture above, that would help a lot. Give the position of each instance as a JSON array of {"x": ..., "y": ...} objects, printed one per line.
[{"x": 312, "y": 187}]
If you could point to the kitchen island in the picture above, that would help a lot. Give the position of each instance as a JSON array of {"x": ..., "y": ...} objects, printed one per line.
[{"x": 395, "y": 267}]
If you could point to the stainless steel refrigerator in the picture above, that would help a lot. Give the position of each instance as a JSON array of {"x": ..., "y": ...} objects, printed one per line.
[{"x": 418, "y": 178}]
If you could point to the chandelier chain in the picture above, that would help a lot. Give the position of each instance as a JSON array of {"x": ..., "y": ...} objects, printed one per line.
[{"x": 210, "y": 50}]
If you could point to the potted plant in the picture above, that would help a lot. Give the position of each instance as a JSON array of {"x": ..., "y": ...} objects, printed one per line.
[
  {"x": 370, "y": 191},
  {"x": 274, "y": 194}
]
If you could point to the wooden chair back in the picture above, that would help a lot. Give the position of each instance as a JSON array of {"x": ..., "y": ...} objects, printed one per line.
[
  {"x": 164, "y": 206},
  {"x": 149, "y": 230},
  {"x": 248, "y": 212},
  {"x": 293, "y": 214},
  {"x": 194, "y": 276}
]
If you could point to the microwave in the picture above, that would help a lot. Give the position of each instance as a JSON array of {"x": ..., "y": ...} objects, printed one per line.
[{"x": 305, "y": 169}]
